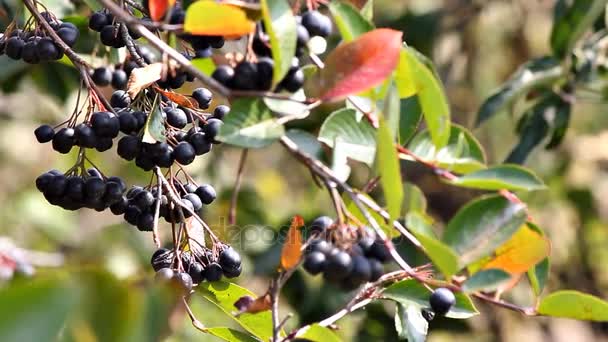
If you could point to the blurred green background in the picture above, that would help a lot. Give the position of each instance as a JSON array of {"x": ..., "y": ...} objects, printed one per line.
[{"x": 104, "y": 262}]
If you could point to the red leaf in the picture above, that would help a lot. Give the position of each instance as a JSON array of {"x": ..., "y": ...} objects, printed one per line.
[
  {"x": 359, "y": 65},
  {"x": 158, "y": 8},
  {"x": 178, "y": 98},
  {"x": 291, "y": 253}
]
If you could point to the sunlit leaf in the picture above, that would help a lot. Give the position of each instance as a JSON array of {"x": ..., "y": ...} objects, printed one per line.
[
  {"x": 389, "y": 170},
  {"x": 483, "y": 225},
  {"x": 317, "y": 333},
  {"x": 142, "y": 78},
  {"x": 291, "y": 253},
  {"x": 224, "y": 295},
  {"x": 250, "y": 124},
  {"x": 574, "y": 304},
  {"x": 230, "y": 335},
  {"x": 349, "y": 20},
  {"x": 212, "y": 18},
  {"x": 357, "y": 138},
  {"x": 486, "y": 280},
  {"x": 511, "y": 177},
  {"x": 280, "y": 26},
  {"x": 359, "y": 65}
]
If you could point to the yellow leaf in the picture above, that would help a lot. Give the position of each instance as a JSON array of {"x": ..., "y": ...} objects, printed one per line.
[
  {"x": 526, "y": 248},
  {"x": 291, "y": 253},
  {"x": 217, "y": 19},
  {"x": 142, "y": 78}
]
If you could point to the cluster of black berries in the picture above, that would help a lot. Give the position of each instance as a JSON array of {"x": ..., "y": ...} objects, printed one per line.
[
  {"x": 109, "y": 30},
  {"x": 181, "y": 146},
  {"x": 138, "y": 205},
  {"x": 349, "y": 267},
  {"x": 198, "y": 267},
  {"x": 97, "y": 133},
  {"x": 73, "y": 191},
  {"x": 34, "y": 47}
]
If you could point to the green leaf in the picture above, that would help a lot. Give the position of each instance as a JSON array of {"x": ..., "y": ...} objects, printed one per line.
[
  {"x": 281, "y": 28},
  {"x": 571, "y": 24},
  {"x": 413, "y": 70},
  {"x": 415, "y": 199},
  {"x": 368, "y": 10},
  {"x": 442, "y": 256},
  {"x": 410, "y": 323},
  {"x": 574, "y": 304},
  {"x": 411, "y": 292},
  {"x": 306, "y": 142},
  {"x": 349, "y": 21},
  {"x": 35, "y": 311},
  {"x": 317, "y": 333},
  {"x": 409, "y": 118},
  {"x": 154, "y": 130},
  {"x": 288, "y": 109},
  {"x": 560, "y": 125},
  {"x": 250, "y": 124},
  {"x": 482, "y": 226},
  {"x": 391, "y": 111},
  {"x": 353, "y": 209},
  {"x": 224, "y": 295},
  {"x": 357, "y": 138},
  {"x": 485, "y": 280},
  {"x": 230, "y": 335},
  {"x": 531, "y": 75},
  {"x": 462, "y": 154},
  {"x": 538, "y": 276},
  {"x": 389, "y": 170},
  {"x": 510, "y": 177},
  {"x": 204, "y": 65}
]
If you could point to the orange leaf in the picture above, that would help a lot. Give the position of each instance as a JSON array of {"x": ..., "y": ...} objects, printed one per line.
[
  {"x": 178, "y": 98},
  {"x": 143, "y": 77},
  {"x": 158, "y": 8},
  {"x": 526, "y": 248},
  {"x": 217, "y": 19},
  {"x": 291, "y": 253},
  {"x": 360, "y": 64}
]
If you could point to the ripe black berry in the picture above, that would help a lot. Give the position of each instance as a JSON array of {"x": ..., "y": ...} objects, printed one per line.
[
  {"x": 294, "y": 80},
  {"x": 206, "y": 193},
  {"x": 320, "y": 224},
  {"x": 119, "y": 79},
  {"x": 314, "y": 262},
  {"x": 379, "y": 251},
  {"x": 120, "y": 99},
  {"x": 203, "y": 97},
  {"x": 131, "y": 214},
  {"x": 162, "y": 258},
  {"x": 105, "y": 124},
  {"x": 94, "y": 188},
  {"x": 75, "y": 188},
  {"x": 303, "y": 36},
  {"x": 442, "y": 300},
  {"x": 128, "y": 147},
  {"x": 185, "y": 281},
  {"x": 128, "y": 122},
  {"x": 109, "y": 35},
  {"x": 143, "y": 200},
  {"x": 317, "y": 24},
  {"x": 224, "y": 74},
  {"x": 14, "y": 46},
  {"x": 63, "y": 141},
  {"x": 213, "y": 272},
  {"x": 102, "y": 76},
  {"x": 145, "y": 222},
  {"x": 200, "y": 143},
  {"x": 361, "y": 271},
  {"x": 196, "y": 272},
  {"x": 265, "y": 67},
  {"x": 338, "y": 265},
  {"x": 47, "y": 50},
  {"x": 176, "y": 118},
  {"x": 120, "y": 206},
  {"x": 85, "y": 136},
  {"x": 98, "y": 20},
  {"x": 196, "y": 203},
  {"x": 245, "y": 76},
  {"x": 29, "y": 53},
  {"x": 220, "y": 112},
  {"x": 376, "y": 268},
  {"x": 69, "y": 34},
  {"x": 229, "y": 259},
  {"x": 319, "y": 245},
  {"x": 113, "y": 193},
  {"x": 212, "y": 128},
  {"x": 44, "y": 133},
  {"x": 164, "y": 275},
  {"x": 184, "y": 153}
]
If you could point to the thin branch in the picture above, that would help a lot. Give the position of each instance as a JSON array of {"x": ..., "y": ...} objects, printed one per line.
[
  {"x": 237, "y": 186},
  {"x": 195, "y": 322},
  {"x": 274, "y": 291},
  {"x": 130, "y": 44}
]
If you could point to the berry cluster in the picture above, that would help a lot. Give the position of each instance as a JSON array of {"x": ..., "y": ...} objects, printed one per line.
[
  {"x": 72, "y": 191},
  {"x": 138, "y": 205},
  {"x": 347, "y": 264},
  {"x": 109, "y": 30},
  {"x": 181, "y": 146},
  {"x": 198, "y": 267},
  {"x": 97, "y": 133},
  {"x": 34, "y": 46}
]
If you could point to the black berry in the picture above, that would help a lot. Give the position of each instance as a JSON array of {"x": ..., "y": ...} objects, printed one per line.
[{"x": 442, "y": 300}]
